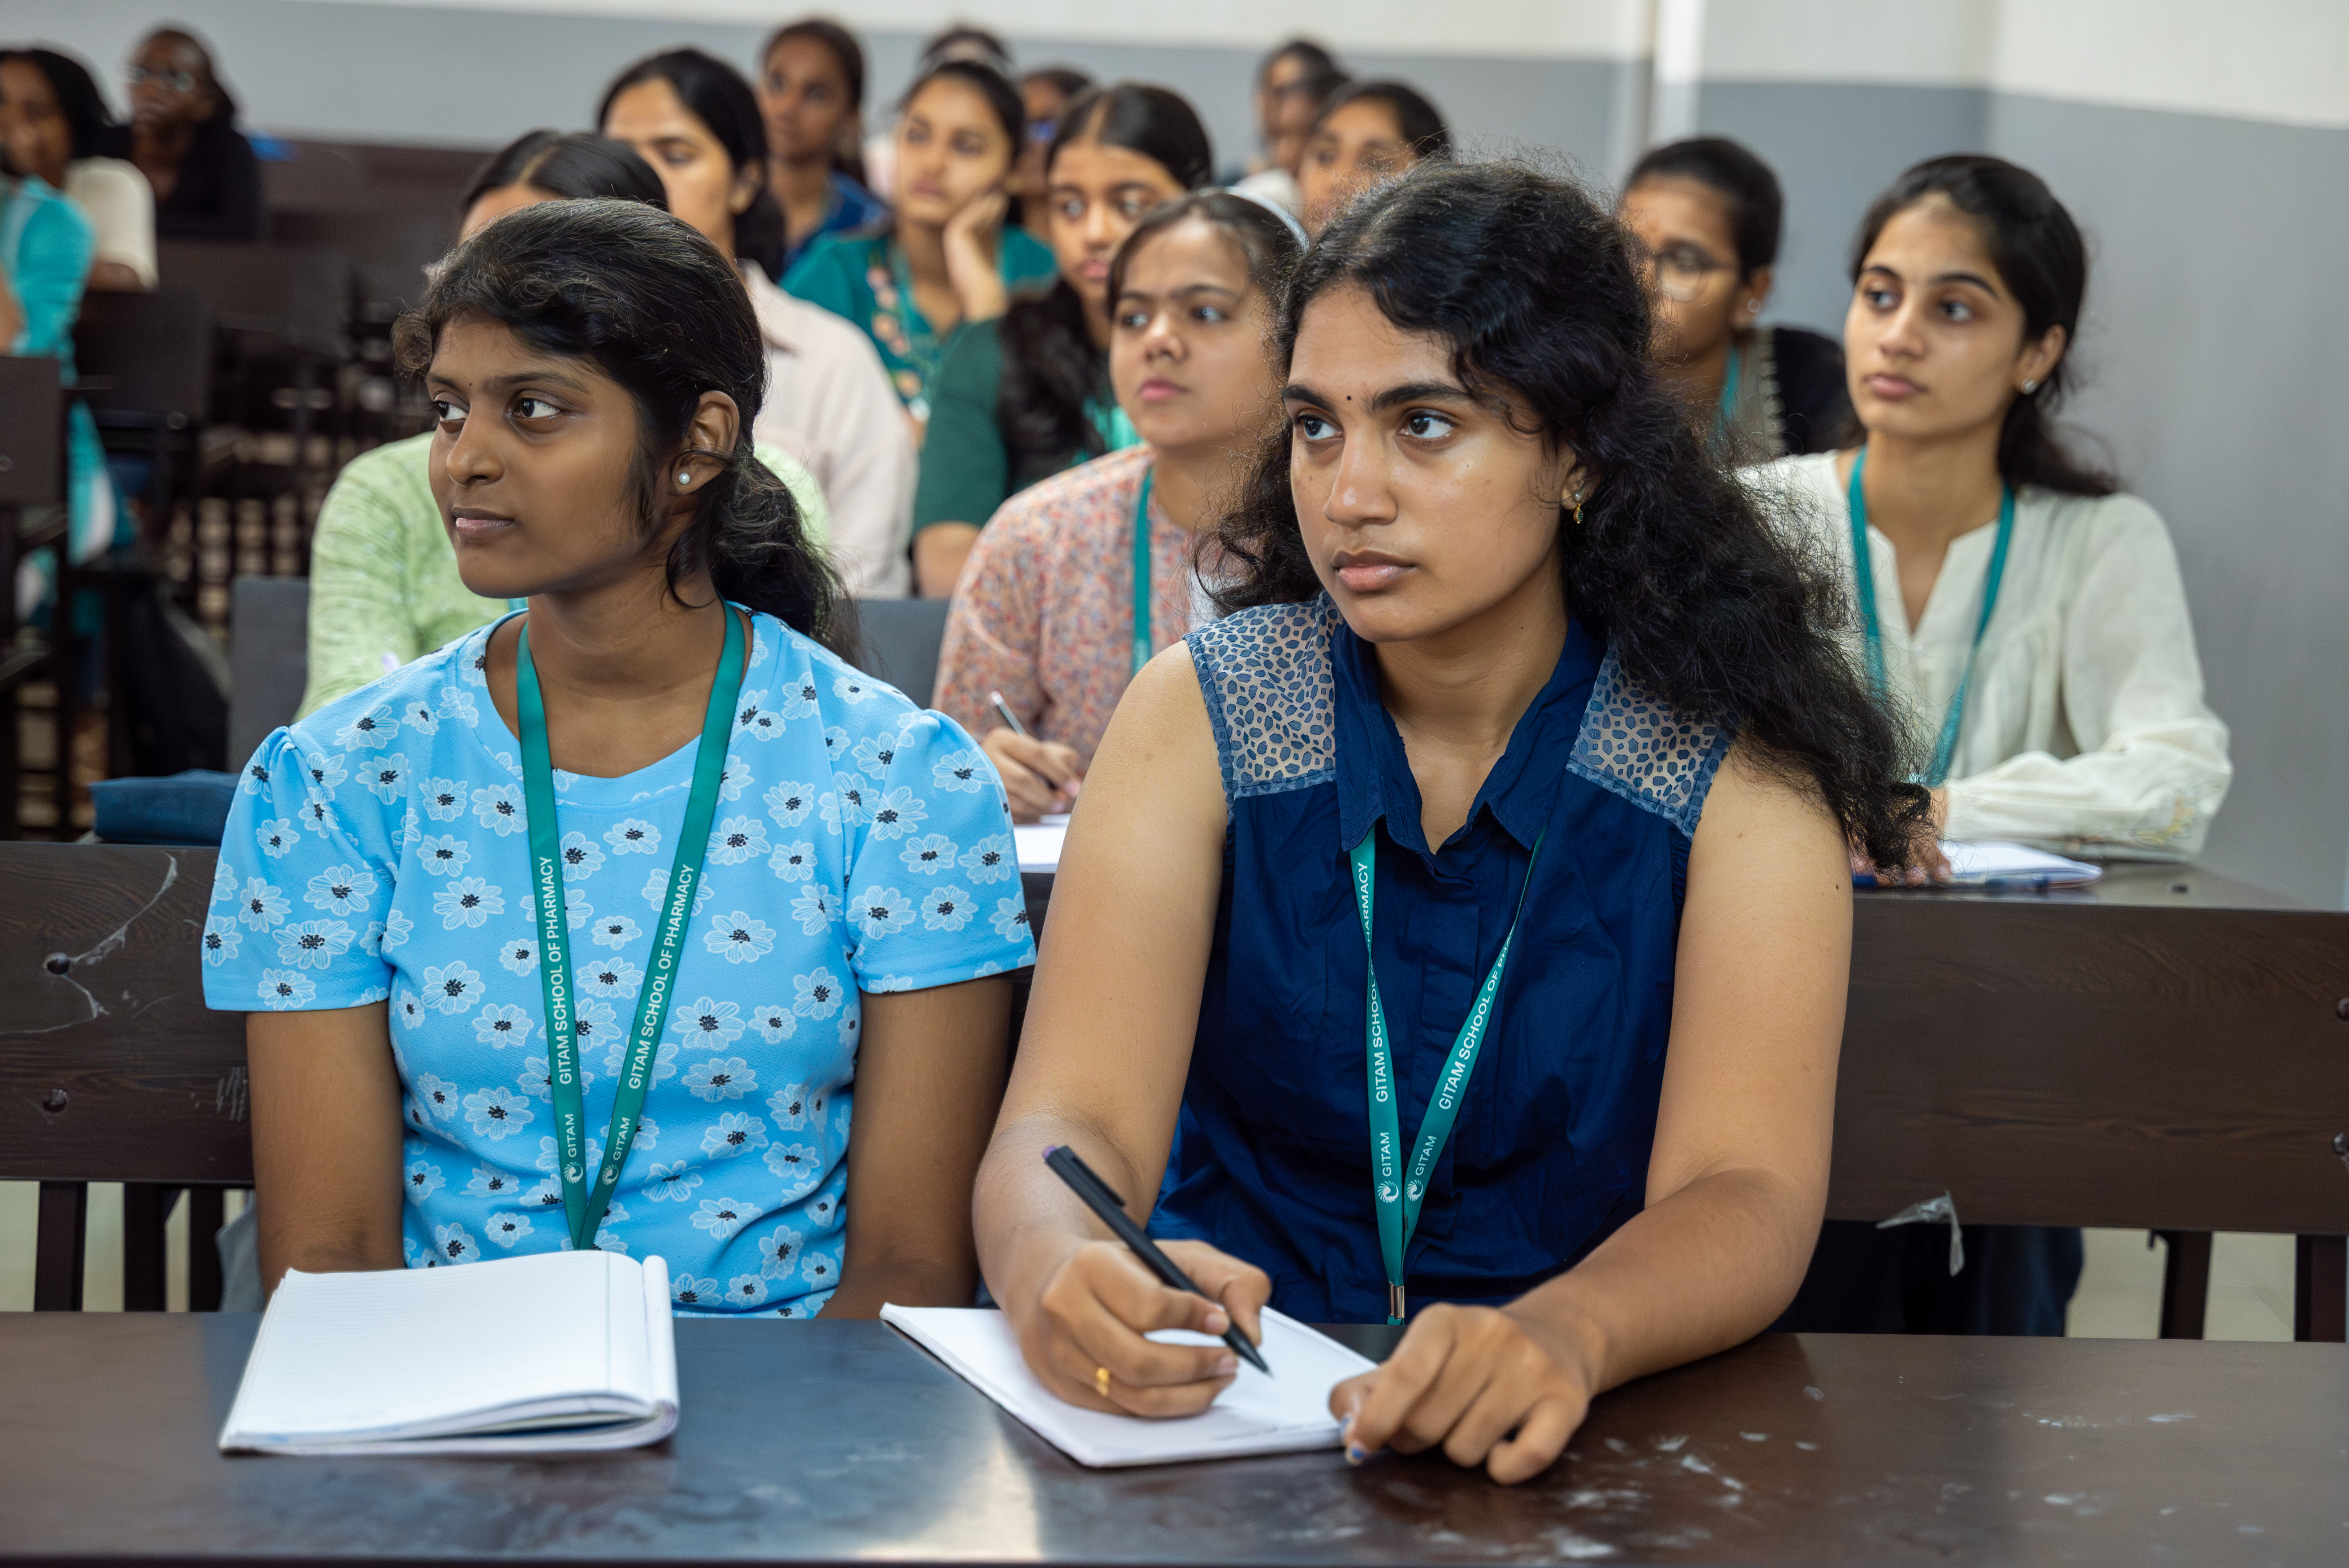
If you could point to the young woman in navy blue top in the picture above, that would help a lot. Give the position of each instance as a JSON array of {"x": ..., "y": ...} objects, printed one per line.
[{"x": 1521, "y": 694}]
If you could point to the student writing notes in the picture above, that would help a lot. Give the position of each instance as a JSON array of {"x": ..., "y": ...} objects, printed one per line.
[
  {"x": 587, "y": 929},
  {"x": 1520, "y": 758},
  {"x": 1080, "y": 579},
  {"x": 2027, "y": 618}
]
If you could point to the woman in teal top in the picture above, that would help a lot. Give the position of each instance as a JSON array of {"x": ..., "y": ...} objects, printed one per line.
[
  {"x": 1021, "y": 398},
  {"x": 45, "y": 250},
  {"x": 947, "y": 257}
]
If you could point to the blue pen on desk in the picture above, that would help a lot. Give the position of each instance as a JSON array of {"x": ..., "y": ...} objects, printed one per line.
[{"x": 1110, "y": 1208}]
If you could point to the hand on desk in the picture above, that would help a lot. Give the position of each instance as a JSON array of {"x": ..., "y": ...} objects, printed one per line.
[
  {"x": 1488, "y": 1387},
  {"x": 1039, "y": 776},
  {"x": 1097, "y": 1307}
]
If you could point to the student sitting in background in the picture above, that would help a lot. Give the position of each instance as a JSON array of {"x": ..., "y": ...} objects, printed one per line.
[
  {"x": 1366, "y": 132},
  {"x": 812, "y": 99},
  {"x": 948, "y": 255},
  {"x": 1509, "y": 641},
  {"x": 183, "y": 138},
  {"x": 45, "y": 250},
  {"x": 1709, "y": 212},
  {"x": 1023, "y": 398},
  {"x": 696, "y": 121},
  {"x": 1046, "y": 94},
  {"x": 2024, "y": 620},
  {"x": 594, "y": 372},
  {"x": 1078, "y": 580},
  {"x": 384, "y": 586},
  {"x": 1291, "y": 86},
  {"x": 54, "y": 123}
]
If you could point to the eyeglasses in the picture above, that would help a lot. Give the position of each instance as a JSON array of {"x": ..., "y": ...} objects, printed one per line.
[
  {"x": 178, "y": 81},
  {"x": 1683, "y": 272}
]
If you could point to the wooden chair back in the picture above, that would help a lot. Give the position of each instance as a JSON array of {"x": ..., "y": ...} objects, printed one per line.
[{"x": 116, "y": 1069}]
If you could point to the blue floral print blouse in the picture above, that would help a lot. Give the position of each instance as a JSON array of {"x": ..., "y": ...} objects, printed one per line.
[{"x": 378, "y": 850}]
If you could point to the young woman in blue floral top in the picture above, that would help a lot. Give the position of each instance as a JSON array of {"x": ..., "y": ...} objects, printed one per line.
[{"x": 461, "y": 903}]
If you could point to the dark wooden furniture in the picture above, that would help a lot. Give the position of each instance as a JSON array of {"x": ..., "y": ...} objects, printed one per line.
[
  {"x": 34, "y": 471},
  {"x": 112, "y": 1066},
  {"x": 900, "y": 642},
  {"x": 2128, "y": 1056},
  {"x": 2167, "y": 1050},
  {"x": 145, "y": 363},
  {"x": 268, "y": 659},
  {"x": 840, "y": 1442}
]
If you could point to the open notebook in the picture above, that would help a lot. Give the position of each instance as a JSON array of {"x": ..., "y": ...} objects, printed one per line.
[
  {"x": 1038, "y": 843},
  {"x": 1257, "y": 1415},
  {"x": 2007, "y": 866},
  {"x": 548, "y": 1354}
]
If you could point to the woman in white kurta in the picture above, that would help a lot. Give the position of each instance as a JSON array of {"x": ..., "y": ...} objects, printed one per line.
[
  {"x": 2027, "y": 620},
  {"x": 2083, "y": 723}
]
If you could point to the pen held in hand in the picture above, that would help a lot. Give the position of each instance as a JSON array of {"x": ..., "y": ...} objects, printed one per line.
[
  {"x": 1110, "y": 1210},
  {"x": 1010, "y": 720}
]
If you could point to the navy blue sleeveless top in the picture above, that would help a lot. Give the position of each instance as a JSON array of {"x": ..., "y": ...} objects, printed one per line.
[{"x": 1272, "y": 1157}]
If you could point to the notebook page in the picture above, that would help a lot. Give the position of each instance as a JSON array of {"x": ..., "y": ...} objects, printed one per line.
[
  {"x": 1038, "y": 843},
  {"x": 346, "y": 1353},
  {"x": 2003, "y": 863},
  {"x": 1256, "y": 1414}
]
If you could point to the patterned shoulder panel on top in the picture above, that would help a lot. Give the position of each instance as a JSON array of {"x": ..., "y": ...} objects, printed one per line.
[
  {"x": 1633, "y": 745},
  {"x": 1271, "y": 696}
]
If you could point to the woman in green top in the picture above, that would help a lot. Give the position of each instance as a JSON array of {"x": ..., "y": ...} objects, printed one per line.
[
  {"x": 1021, "y": 398},
  {"x": 947, "y": 258},
  {"x": 384, "y": 588}
]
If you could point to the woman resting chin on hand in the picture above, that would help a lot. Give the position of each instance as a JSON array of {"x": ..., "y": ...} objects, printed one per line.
[
  {"x": 1473, "y": 714},
  {"x": 440, "y": 896}
]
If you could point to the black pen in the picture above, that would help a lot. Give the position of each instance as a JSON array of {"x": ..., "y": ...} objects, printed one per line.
[{"x": 1070, "y": 1168}]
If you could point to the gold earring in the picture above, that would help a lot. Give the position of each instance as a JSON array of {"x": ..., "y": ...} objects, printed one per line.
[{"x": 1574, "y": 501}]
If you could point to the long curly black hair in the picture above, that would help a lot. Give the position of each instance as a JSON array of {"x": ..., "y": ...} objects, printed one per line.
[
  {"x": 651, "y": 303},
  {"x": 1539, "y": 292}
]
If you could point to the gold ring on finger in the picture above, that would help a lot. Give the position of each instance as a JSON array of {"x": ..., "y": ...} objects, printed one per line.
[{"x": 1101, "y": 1380}]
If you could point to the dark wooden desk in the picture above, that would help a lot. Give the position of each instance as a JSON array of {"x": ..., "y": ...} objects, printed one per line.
[{"x": 828, "y": 1442}]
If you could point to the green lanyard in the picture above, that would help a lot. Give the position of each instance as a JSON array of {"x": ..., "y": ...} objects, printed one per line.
[
  {"x": 582, "y": 1210},
  {"x": 1398, "y": 1200},
  {"x": 1725, "y": 422},
  {"x": 1864, "y": 572},
  {"x": 1142, "y": 575}
]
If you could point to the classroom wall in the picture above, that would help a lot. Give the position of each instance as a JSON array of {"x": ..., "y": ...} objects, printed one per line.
[{"x": 2201, "y": 147}]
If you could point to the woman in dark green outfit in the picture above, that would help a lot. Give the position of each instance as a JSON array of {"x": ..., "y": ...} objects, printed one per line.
[
  {"x": 1022, "y": 397},
  {"x": 947, "y": 258}
]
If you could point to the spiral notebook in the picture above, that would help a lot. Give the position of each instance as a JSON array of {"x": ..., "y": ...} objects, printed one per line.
[{"x": 1283, "y": 1413}]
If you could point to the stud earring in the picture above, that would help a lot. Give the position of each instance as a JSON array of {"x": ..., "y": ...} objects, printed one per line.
[
  {"x": 1753, "y": 307},
  {"x": 2030, "y": 387},
  {"x": 683, "y": 478}
]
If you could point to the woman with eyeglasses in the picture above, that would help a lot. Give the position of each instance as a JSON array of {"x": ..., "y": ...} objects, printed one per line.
[
  {"x": 1709, "y": 212},
  {"x": 811, "y": 95},
  {"x": 947, "y": 257},
  {"x": 183, "y": 138},
  {"x": 2021, "y": 616},
  {"x": 1021, "y": 398}
]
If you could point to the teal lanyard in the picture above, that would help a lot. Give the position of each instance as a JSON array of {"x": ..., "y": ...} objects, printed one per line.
[
  {"x": 1725, "y": 422},
  {"x": 1398, "y": 1200},
  {"x": 1142, "y": 575},
  {"x": 582, "y": 1210},
  {"x": 1864, "y": 572}
]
